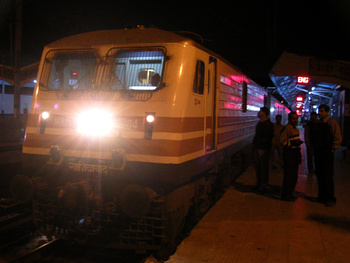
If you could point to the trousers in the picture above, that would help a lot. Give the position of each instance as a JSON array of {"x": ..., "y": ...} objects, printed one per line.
[
  {"x": 291, "y": 159},
  {"x": 324, "y": 170},
  {"x": 261, "y": 164}
]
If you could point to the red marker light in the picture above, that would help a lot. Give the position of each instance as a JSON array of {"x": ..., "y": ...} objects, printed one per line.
[{"x": 299, "y": 98}]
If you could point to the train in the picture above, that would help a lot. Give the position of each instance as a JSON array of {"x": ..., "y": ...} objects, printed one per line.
[{"x": 132, "y": 131}]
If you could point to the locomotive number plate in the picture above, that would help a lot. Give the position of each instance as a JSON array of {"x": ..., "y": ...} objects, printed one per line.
[{"x": 88, "y": 168}]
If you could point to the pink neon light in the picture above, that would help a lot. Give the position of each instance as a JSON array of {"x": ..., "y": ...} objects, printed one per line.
[
  {"x": 239, "y": 79},
  {"x": 236, "y": 79},
  {"x": 233, "y": 106}
]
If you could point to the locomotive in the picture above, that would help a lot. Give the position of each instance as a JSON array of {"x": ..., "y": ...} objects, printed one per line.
[{"x": 129, "y": 132}]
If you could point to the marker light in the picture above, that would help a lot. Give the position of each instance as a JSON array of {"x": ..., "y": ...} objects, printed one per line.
[
  {"x": 45, "y": 115},
  {"x": 95, "y": 123},
  {"x": 150, "y": 118}
]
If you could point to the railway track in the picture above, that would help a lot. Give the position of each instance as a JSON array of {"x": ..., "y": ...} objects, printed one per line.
[
  {"x": 40, "y": 249},
  {"x": 43, "y": 253},
  {"x": 19, "y": 242}
]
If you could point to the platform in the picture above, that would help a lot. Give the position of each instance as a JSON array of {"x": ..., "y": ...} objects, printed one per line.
[{"x": 246, "y": 227}]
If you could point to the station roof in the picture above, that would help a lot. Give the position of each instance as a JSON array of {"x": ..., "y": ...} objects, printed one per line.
[{"x": 315, "y": 79}]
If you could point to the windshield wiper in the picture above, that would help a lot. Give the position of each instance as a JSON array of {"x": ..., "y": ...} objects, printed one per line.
[{"x": 123, "y": 86}]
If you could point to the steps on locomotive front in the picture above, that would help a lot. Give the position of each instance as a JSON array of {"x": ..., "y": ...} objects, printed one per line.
[{"x": 246, "y": 227}]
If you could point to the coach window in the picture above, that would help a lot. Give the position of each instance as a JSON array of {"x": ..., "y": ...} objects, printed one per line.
[{"x": 198, "y": 84}]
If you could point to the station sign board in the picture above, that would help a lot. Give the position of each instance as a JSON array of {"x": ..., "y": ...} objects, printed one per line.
[{"x": 303, "y": 80}]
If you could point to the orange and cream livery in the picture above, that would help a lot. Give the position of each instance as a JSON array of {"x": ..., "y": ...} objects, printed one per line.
[{"x": 129, "y": 131}]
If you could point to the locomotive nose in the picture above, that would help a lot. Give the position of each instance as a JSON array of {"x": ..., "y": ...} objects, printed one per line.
[
  {"x": 136, "y": 200},
  {"x": 22, "y": 188}
]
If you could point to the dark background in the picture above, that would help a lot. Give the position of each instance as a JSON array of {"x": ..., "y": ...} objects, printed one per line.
[{"x": 250, "y": 34}]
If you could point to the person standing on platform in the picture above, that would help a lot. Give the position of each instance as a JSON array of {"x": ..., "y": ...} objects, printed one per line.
[
  {"x": 290, "y": 140},
  {"x": 262, "y": 148},
  {"x": 328, "y": 138},
  {"x": 276, "y": 146},
  {"x": 309, "y": 135}
]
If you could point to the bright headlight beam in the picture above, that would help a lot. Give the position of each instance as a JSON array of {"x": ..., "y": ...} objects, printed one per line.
[{"x": 95, "y": 123}]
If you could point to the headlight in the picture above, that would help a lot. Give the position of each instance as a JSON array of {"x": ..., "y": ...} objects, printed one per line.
[
  {"x": 45, "y": 115},
  {"x": 95, "y": 123}
]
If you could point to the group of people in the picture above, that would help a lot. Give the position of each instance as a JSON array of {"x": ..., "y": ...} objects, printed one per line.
[{"x": 322, "y": 138}]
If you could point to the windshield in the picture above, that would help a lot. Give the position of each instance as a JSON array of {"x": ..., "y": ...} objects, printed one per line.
[
  {"x": 137, "y": 70},
  {"x": 68, "y": 70}
]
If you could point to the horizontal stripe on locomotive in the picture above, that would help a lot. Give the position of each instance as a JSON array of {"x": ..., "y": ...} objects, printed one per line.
[
  {"x": 108, "y": 155},
  {"x": 131, "y": 145},
  {"x": 243, "y": 140},
  {"x": 125, "y": 134},
  {"x": 224, "y": 113},
  {"x": 243, "y": 120},
  {"x": 238, "y": 127},
  {"x": 134, "y": 123},
  {"x": 232, "y": 135}
]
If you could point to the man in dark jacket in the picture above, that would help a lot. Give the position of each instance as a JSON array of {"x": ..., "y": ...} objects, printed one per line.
[
  {"x": 261, "y": 149},
  {"x": 328, "y": 138},
  {"x": 309, "y": 135},
  {"x": 290, "y": 140}
]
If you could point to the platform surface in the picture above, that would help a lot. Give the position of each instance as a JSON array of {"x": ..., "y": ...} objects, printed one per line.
[{"x": 246, "y": 227}]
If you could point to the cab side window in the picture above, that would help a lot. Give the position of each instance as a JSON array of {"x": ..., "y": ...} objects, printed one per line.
[{"x": 198, "y": 84}]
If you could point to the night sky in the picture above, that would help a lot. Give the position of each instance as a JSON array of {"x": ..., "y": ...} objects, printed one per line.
[{"x": 250, "y": 34}]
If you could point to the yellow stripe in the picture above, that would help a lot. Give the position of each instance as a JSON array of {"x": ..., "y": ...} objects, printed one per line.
[
  {"x": 127, "y": 134},
  {"x": 129, "y": 157}
]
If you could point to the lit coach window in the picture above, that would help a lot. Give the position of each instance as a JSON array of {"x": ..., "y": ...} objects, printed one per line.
[{"x": 149, "y": 121}]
